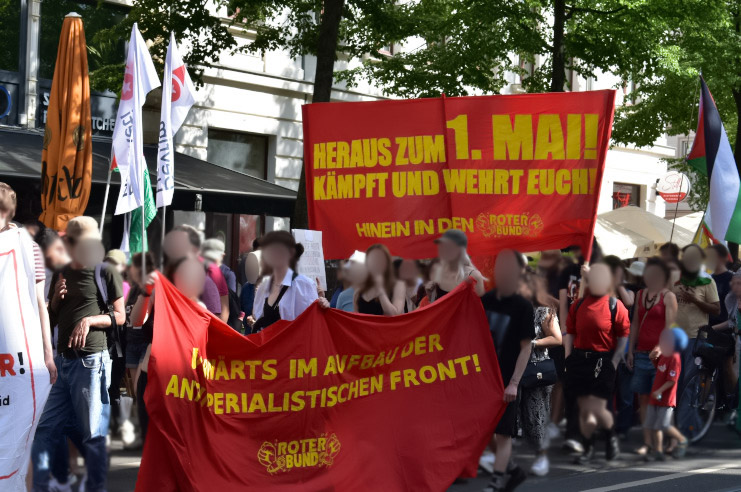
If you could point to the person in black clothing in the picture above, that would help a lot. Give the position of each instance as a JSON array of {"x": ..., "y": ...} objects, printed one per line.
[
  {"x": 512, "y": 324},
  {"x": 382, "y": 294},
  {"x": 716, "y": 259}
]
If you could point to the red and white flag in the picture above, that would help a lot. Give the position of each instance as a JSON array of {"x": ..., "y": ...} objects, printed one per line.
[
  {"x": 128, "y": 151},
  {"x": 177, "y": 98}
]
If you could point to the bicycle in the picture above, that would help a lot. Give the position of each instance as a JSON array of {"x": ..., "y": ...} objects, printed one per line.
[{"x": 703, "y": 396}]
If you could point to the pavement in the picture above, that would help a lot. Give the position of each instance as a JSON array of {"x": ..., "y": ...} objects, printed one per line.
[{"x": 713, "y": 465}]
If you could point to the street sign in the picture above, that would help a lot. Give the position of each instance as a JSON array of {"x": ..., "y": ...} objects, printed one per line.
[{"x": 673, "y": 187}]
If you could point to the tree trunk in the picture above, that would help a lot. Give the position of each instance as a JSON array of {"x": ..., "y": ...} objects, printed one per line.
[
  {"x": 325, "y": 56},
  {"x": 558, "y": 73}
]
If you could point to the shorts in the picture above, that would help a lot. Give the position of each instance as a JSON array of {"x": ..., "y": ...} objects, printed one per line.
[
  {"x": 135, "y": 354},
  {"x": 559, "y": 360},
  {"x": 507, "y": 425},
  {"x": 658, "y": 418},
  {"x": 581, "y": 368},
  {"x": 643, "y": 374}
]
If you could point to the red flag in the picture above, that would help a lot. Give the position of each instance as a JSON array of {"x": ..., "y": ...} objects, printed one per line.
[{"x": 331, "y": 401}]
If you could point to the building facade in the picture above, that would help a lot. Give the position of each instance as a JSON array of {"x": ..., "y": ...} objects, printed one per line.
[{"x": 247, "y": 115}]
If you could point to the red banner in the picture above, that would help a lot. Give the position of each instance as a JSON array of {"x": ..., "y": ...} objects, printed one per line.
[
  {"x": 518, "y": 171},
  {"x": 331, "y": 401}
]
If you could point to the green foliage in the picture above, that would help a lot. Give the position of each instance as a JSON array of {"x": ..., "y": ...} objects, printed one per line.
[
  {"x": 699, "y": 186},
  {"x": 10, "y": 33}
]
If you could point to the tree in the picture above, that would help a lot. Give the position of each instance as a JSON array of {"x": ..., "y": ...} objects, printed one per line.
[{"x": 666, "y": 98}]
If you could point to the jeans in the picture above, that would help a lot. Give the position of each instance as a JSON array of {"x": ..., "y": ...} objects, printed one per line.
[{"x": 78, "y": 402}]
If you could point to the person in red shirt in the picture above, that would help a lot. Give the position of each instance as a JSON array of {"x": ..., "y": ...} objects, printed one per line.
[
  {"x": 664, "y": 392},
  {"x": 597, "y": 333}
]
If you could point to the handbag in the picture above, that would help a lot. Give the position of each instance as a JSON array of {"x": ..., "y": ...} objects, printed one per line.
[{"x": 539, "y": 374}]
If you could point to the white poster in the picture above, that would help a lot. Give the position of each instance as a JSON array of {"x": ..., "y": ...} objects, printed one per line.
[
  {"x": 311, "y": 263},
  {"x": 24, "y": 379}
]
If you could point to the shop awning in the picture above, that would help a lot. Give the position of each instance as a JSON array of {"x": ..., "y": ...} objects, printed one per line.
[{"x": 222, "y": 190}]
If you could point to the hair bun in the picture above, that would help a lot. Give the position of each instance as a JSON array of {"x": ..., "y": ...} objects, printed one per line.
[{"x": 299, "y": 251}]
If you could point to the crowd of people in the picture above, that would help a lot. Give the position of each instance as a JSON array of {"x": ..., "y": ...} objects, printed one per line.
[{"x": 587, "y": 347}]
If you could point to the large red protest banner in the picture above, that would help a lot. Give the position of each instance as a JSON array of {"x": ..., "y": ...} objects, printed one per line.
[
  {"x": 333, "y": 401},
  {"x": 516, "y": 171}
]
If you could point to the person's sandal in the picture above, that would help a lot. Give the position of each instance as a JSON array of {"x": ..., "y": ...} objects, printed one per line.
[
  {"x": 644, "y": 450},
  {"x": 681, "y": 450}
]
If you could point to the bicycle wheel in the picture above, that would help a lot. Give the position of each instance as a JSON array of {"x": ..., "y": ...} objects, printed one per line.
[{"x": 696, "y": 406}]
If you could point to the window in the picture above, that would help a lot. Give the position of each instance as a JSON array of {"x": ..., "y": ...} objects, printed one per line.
[
  {"x": 96, "y": 17},
  {"x": 624, "y": 195},
  {"x": 243, "y": 152},
  {"x": 10, "y": 33}
]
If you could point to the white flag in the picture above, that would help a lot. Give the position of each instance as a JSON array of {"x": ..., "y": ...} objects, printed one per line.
[
  {"x": 177, "y": 98},
  {"x": 139, "y": 79}
]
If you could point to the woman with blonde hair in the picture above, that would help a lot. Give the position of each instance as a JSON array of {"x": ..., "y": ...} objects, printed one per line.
[{"x": 456, "y": 266}]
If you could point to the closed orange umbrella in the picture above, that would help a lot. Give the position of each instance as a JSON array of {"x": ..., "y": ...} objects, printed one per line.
[{"x": 67, "y": 158}]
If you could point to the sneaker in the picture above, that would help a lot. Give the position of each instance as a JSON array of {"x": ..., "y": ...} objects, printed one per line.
[
  {"x": 486, "y": 462},
  {"x": 55, "y": 486},
  {"x": 573, "y": 445},
  {"x": 587, "y": 455},
  {"x": 612, "y": 450},
  {"x": 515, "y": 477},
  {"x": 658, "y": 456},
  {"x": 496, "y": 484},
  {"x": 541, "y": 466},
  {"x": 552, "y": 431}
]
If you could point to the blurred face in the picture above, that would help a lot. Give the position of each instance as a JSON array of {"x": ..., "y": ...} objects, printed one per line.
[
  {"x": 408, "y": 271},
  {"x": 178, "y": 246},
  {"x": 549, "y": 259},
  {"x": 276, "y": 255},
  {"x": 618, "y": 277},
  {"x": 666, "y": 342},
  {"x": 599, "y": 280},
  {"x": 692, "y": 260},
  {"x": 507, "y": 272},
  {"x": 341, "y": 272},
  {"x": 676, "y": 273},
  {"x": 135, "y": 273},
  {"x": 736, "y": 286},
  {"x": 56, "y": 255},
  {"x": 356, "y": 273},
  {"x": 653, "y": 276},
  {"x": 88, "y": 252},
  {"x": 189, "y": 278},
  {"x": 448, "y": 251},
  {"x": 376, "y": 262},
  {"x": 711, "y": 259},
  {"x": 252, "y": 268},
  {"x": 120, "y": 268}
]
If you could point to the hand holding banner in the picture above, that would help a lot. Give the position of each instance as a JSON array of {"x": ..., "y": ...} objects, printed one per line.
[
  {"x": 521, "y": 171},
  {"x": 330, "y": 401}
]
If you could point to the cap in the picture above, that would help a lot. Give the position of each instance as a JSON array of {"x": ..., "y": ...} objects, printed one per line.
[
  {"x": 116, "y": 256},
  {"x": 454, "y": 236},
  {"x": 680, "y": 339},
  {"x": 357, "y": 257},
  {"x": 213, "y": 249},
  {"x": 637, "y": 268},
  {"x": 82, "y": 227}
]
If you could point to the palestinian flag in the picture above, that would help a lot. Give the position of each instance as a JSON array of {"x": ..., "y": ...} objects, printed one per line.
[{"x": 711, "y": 155}]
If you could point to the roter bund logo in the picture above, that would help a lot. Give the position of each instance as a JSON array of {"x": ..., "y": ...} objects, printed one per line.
[
  {"x": 498, "y": 225},
  {"x": 305, "y": 453}
]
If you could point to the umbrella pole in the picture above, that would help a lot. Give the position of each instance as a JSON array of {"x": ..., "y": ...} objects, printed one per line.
[{"x": 105, "y": 200}]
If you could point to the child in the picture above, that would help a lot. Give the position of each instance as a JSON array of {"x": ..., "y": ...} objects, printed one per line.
[{"x": 664, "y": 392}]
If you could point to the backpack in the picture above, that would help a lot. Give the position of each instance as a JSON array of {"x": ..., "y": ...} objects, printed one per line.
[
  {"x": 613, "y": 308},
  {"x": 113, "y": 334}
]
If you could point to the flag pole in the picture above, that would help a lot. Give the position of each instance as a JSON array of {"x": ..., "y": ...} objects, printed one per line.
[
  {"x": 162, "y": 238},
  {"x": 105, "y": 200},
  {"x": 676, "y": 209}
]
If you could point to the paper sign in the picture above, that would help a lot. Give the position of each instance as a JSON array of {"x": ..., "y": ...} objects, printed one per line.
[{"x": 311, "y": 263}]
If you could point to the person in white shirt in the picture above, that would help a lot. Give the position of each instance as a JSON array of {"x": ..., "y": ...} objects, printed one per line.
[{"x": 283, "y": 294}]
